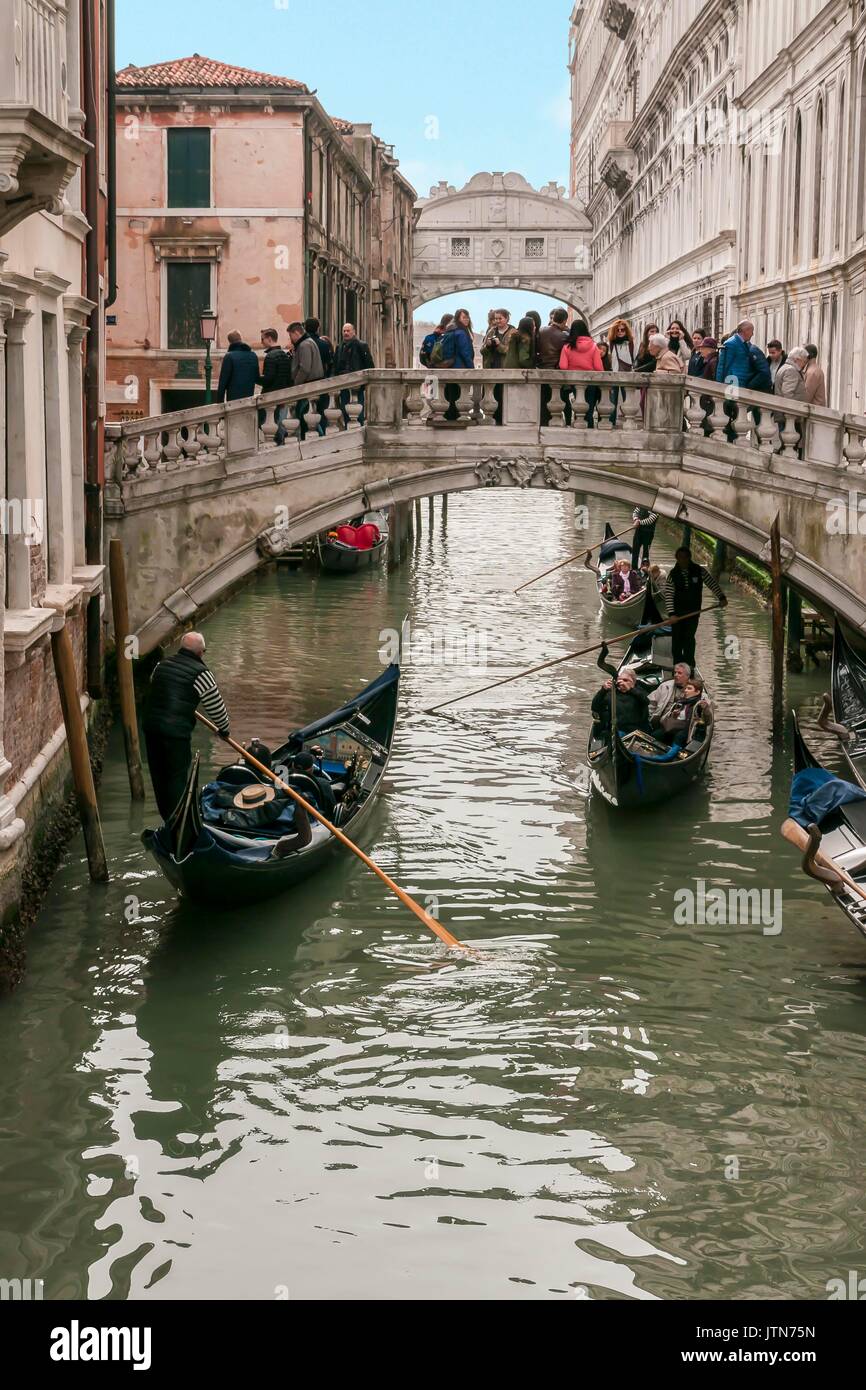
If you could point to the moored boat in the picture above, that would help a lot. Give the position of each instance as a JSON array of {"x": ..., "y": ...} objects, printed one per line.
[
  {"x": 624, "y": 612},
  {"x": 848, "y": 682},
  {"x": 357, "y": 546},
  {"x": 827, "y": 822},
  {"x": 221, "y": 864},
  {"x": 639, "y": 770}
]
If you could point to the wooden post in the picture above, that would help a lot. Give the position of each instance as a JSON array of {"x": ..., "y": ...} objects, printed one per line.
[
  {"x": 410, "y": 523},
  {"x": 125, "y": 683},
  {"x": 687, "y": 536},
  {"x": 418, "y": 518},
  {"x": 778, "y": 633},
  {"x": 430, "y": 513},
  {"x": 79, "y": 754},
  {"x": 795, "y": 630},
  {"x": 720, "y": 558},
  {"x": 444, "y": 510}
]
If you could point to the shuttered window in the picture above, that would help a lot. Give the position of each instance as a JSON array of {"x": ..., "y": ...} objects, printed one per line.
[
  {"x": 187, "y": 288},
  {"x": 189, "y": 168}
]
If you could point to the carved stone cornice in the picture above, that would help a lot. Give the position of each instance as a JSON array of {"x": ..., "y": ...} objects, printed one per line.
[{"x": 38, "y": 158}]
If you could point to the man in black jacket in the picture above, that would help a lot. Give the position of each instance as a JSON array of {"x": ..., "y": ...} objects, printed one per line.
[
  {"x": 326, "y": 352},
  {"x": 276, "y": 375},
  {"x": 239, "y": 372},
  {"x": 178, "y": 685},
  {"x": 353, "y": 355},
  {"x": 683, "y": 593},
  {"x": 632, "y": 705}
]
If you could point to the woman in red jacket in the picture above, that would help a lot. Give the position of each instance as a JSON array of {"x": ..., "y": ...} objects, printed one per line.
[{"x": 580, "y": 354}]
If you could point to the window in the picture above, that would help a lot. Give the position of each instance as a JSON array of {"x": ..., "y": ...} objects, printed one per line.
[
  {"x": 780, "y": 210},
  {"x": 798, "y": 172},
  {"x": 187, "y": 293},
  {"x": 747, "y": 217},
  {"x": 840, "y": 166},
  {"x": 818, "y": 190},
  {"x": 765, "y": 194},
  {"x": 189, "y": 168},
  {"x": 460, "y": 247},
  {"x": 534, "y": 248},
  {"x": 861, "y": 158}
]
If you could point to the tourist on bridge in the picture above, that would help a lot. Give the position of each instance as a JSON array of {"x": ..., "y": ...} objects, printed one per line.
[
  {"x": 536, "y": 319},
  {"x": 696, "y": 361},
  {"x": 644, "y": 360},
  {"x": 776, "y": 358},
  {"x": 494, "y": 346},
  {"x": 326, "y": 352},
  {"x": 239, "y": 371},
  {"x": 433, "y": 341},
  {"x": 665, "y": 360},
  {"x": 522, "y": 351},
  {"x": 682, "y": 593},
  {"x": 580, "y": 354},
  {"x": 276, "y": 374},
  {"x": 603, "y": 351},
  {"x": 741, "y": 362},
  {"x": 816, "y": 386},
  {"x": 458, "y": 352},
  {"x": 551, "y": 341},
  {"x": 353, "y": 355},
  {"x": 178, "y": 685},
  {"x": 620, "y": 356},
  {"x": 680, "y": 342},
  {"x": 645, "y": 523},
  {"x": 306, "y": 366},
  {"x": 790, "y": 380}
]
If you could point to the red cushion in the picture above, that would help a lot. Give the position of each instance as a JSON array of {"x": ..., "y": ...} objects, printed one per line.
[
  {"x": 347, "y": 534},
  {"x": 367, "y": 535}
]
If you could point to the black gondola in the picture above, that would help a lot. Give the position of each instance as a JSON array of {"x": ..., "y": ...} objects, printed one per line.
[
  {"x": 827, "y": 821},
  {"x": 338, "y": 558},
  {"x": 849, "y": 702},
  {"x": 229, "y": 867},
  {"x": 627, "y": 613},
  {"x": 639, "y": 771}
]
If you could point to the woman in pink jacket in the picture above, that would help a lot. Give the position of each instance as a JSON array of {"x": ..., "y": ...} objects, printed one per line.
[{"x": 580, "y": 354}]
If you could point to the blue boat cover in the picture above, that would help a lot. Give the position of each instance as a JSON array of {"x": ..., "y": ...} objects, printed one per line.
[{"x": 815, "y": 793}]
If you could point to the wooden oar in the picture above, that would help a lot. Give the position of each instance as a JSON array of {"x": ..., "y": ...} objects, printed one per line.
[
  {"x": 570, "y": 656},
  {"x": 796, "y": 835},
  {"x": 572, "y": 558},
  {"x": 423, "y": 916}
]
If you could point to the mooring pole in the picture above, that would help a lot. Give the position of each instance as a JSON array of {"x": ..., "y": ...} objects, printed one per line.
[
  {"x": 125, "y": 682},
  {"x": 418, "y": 517},
  {"x": 430, "y": 513},
  {"x": 79, "y": 754},
  {"x": 778, "y": 633},
  {"x": 720, "y": 558},
  {"x": 444, "y": 510},
  {"x": 795, "y": 631}
]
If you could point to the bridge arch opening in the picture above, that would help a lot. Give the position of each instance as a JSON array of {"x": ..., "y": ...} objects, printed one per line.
[{"x": 516, "y": 299}]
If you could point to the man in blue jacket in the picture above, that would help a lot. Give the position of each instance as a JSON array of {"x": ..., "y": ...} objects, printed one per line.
[
  {"x": 239, "y": 373},
  {"x": 741, "y": 361}
]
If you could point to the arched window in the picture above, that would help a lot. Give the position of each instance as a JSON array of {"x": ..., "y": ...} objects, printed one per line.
[
  {"x": 797, "y": 175},
  {"x": 781, "y": 211},
  {"x": 839, "y": 217},
  {"x": 818, "y": 188},
  {"x": 860, "y": 223}
]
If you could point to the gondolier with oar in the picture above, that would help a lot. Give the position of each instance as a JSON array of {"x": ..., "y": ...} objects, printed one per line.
[
  {"x": 178, "y": 686},
  {"x": 682, "y": 593},
  {"x": 645, "y": 523}
]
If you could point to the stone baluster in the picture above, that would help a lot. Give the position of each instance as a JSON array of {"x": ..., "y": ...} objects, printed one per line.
[
  {"x": 207, "y": 439},
  {"x": 221, "y": 437},
  {"x": 192, "y": 444},
  {"x": 629, "y": 415},
  {"x": 438, "y": 404},
  {"x": 414, "y": 403},
  {"x": 719, "y": 420},
  {"x": 695, "y": 414},
  {"x": 741, "y": 425},
  {"x": 354, "y": 410},
  {"x": 790, "y": 437},
  {"x": 291, "y": 425},
  {"x": 313, "y": 419},
  {"x": 579, "y": 407},
  {"x": 465, "y": 403},
  {"x": 268, "y": 427},
  {"x": 606, "y": 409},
  {"x": 853, "y": 450},
  {"x": 768, "y": 433},
  {"x": 334, "y": 412},
  {"x": 172, "y": 450},
  {"x": 488, "y": 402},
  {"x": 133, "y": 460},
  {"x": 556, "y": 409},
  {"x": 153, "y": 451}
]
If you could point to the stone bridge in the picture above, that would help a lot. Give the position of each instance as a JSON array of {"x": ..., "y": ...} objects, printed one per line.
[{"x": 201, "y": 497}]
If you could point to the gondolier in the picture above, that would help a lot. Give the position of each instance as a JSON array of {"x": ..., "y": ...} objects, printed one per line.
[
  {"x": 683, "y": 593},
  {"x": 644, "y": 534},
  {"x": 179, "y": 684}
]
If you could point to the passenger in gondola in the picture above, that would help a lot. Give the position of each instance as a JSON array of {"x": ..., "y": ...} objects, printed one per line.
[
  {"x": 677, "y": 725},
  {"x": 662, "y": 699},
  {"x": 625, "y": 582},
  {"x": 632, "y": 706},
  {"x": 305, "y": 764}
]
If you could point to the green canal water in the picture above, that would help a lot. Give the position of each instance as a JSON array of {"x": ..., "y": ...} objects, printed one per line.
[{"x": 315, "y": 1100}]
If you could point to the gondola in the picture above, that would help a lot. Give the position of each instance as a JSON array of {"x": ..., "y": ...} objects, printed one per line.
[
  {"x": 848, "y": 683},
  {"x": 827, "y": 821},
  {"x": 640, "y": 770},
  {"x": 338, "y": 558},
  {"x": 229, "y": 867},
  {"x": 628, "y": 612}
]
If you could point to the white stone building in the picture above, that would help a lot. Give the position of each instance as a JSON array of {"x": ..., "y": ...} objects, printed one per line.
[{"x": 720, "y": 149}]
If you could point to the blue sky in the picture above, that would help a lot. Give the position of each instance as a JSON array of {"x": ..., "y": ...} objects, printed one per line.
[{"x": 492, "y": 72}]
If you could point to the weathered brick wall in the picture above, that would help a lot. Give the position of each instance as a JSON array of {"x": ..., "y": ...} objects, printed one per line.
[{"x": 33, "y": 710}]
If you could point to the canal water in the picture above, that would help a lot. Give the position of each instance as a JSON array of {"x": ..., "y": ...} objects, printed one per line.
[{"x": 313, "y": 1099}]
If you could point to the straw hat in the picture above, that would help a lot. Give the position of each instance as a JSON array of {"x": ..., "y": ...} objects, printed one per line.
[{"x": 248, "y": 798}]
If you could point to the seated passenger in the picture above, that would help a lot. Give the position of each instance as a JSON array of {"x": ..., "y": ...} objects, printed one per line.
[
  {"x": 662, "y": 698},
  {"x": 625, "y": 582},
  {"x": 632, "y": 706},
  {"x": 677, "y": 724},
  {"x": 305, "y": 764},
  {"x": 302, "y": 835}
]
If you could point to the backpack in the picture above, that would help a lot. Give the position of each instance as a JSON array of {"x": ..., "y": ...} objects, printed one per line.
[
  {"x": 427, "y": 348},
  {"x": 444, "y": 353}
]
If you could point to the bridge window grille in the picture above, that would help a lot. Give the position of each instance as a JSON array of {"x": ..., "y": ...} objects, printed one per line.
[
  {"x": 534, "y": 248},
  {"x": 460, "y": 247}
]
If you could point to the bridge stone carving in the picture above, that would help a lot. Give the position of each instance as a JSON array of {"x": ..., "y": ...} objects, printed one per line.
[
  {"x": 202, "y": 497},
  {"x": 499, "y": 231}
]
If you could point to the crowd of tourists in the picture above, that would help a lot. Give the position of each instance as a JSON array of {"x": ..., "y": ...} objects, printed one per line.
[
  {"x": 308, "y": 356},
  {"x": 796, "y": 374}
]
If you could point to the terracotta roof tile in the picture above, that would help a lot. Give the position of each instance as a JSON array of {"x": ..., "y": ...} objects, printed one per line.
[
  {"x": 200, "y": 72},
  {"x": 345, "y": 127}
]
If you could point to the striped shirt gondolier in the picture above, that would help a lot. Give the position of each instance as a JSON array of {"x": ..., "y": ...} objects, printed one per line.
[
  {"x": 212, "y": 703},
  {"x": 647, "y": 521},
  {"x": 683, "y": 589}
]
